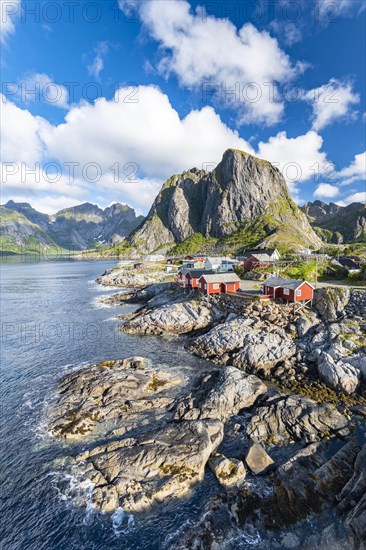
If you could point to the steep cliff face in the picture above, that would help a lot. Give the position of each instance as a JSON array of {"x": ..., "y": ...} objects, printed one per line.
[
  {"x": 243, "y": 193},
  {"x": 80, "y": 227},
  {"x": 336, "y": 223}
]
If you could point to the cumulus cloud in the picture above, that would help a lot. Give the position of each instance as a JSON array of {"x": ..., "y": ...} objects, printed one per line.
[
  {"x": 9, "y": 13},
  {"x": 355, "y": 197},
  {"x": 299, "y": 158},
  {"x": 243, "y": 67},
  {"x": 140, "y": 141},
  {"x": 97, "y": 65},
  {"x": 326, "y": 191},
  {"x": 356, "y": 171},
  {"x": 40, "y": 87},
  {"x": 331, "y": 102}
]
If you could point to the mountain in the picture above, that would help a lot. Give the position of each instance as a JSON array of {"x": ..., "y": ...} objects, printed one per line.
[
  {"x": 78, "y": 228},
  {"x": 19, "y": 235},
  {"x": 337, "y": 224},
  {"x": 243, "y": 202}
]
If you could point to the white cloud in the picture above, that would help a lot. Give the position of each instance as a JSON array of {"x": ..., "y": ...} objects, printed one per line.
[
  {"x": 331, "y": 102},
  {"x": 147, "y": 137},
  {"x": 355, "y": 197},
  {"x": 46, "y": 204},
  {"x": 202, "y": 49},
  {"x": 298, "y": 158},
  {"x": 39, "y": 87},
  {"x": 356, "y": 171},
  {"x": 326, "y": 191},
  {"x": 289, "y": 32},
  {"x": 96, "y": 67},
  {"x": 9, "y": 13}
]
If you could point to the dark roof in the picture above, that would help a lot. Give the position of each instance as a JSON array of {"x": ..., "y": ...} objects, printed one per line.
[
  {"x": 348, "y": 263},
  {"x": 196, "y": 273},
  {"x": 284, "y": 283},
  {"x": 254, "y": 252}
]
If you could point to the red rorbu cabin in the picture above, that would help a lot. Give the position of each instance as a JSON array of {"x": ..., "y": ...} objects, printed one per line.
[
  {"x": 218, "y": 283},
  {"x": 288, "y": 289}
]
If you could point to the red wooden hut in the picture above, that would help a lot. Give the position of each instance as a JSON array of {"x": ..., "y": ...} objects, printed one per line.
[
  {"x": 218, "y": 283},
  {"x": 290, "y": 290}
]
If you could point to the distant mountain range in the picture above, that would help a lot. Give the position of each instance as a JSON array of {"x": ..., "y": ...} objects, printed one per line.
[
  {"x": 337, "y": 224},
  {"x": 24, "y": 229}
]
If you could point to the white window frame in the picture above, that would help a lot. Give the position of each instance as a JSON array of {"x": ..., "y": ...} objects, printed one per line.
[
  {"x": 286, "y": 291},
  {"x": 298, "y": 292},
  {"x": 205, "y": 286},
  {"x": 216, "y": 286}
]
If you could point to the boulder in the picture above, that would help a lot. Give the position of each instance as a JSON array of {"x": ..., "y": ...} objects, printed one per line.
[
  {"x": 330, "y": 302},
  {"x": 135, "y": 473},
  {"x": 340, "y": 375},
  {"x": 228, "y": 471},
  {"x": 283, "y": 418},
  {"x": 258, "y": 460}
]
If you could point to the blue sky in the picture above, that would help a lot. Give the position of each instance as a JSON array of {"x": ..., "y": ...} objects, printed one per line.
[{"x": 103, "y": 100}]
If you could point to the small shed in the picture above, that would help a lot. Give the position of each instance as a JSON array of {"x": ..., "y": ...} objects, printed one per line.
[
  {"x": 290, "y": 290},
  {"x": 193, "y": 276},
  {"x": 218, "y": 283}
]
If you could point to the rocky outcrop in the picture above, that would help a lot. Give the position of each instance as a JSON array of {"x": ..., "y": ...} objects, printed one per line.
[
  {"x": 339, "y": 375},
  {"x": 282, "y": 419},
  {"x": 165, "y": 463},
  {"x": 242, "y": 191},
  {"x": 126, "y": 277},
  {"x": 353, "y": 500},
  {"x": 112, "y": 391},
  {"x": 149, "y": 435},
  {"x": 176, "y": 318},
  {"x": 220, "y": 395},
  {"x": 330, "y": 302},
  {"x": 307, "y": 481},
  {"x": 249, "y": 348}
]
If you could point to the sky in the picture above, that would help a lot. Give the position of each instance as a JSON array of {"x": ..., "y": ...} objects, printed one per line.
[{"x": 102, "y": 101}]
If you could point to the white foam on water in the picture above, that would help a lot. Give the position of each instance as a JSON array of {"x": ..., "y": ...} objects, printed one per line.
[
  {"x": 242, "y": 540},
  {"x": 121, "y": 522}
]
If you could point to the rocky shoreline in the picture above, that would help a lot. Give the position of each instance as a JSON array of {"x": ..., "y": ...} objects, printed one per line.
[{"x": 283, "y": 397}]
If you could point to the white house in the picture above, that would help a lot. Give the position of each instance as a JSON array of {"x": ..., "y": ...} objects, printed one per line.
[{"x": 219, "y": 262}]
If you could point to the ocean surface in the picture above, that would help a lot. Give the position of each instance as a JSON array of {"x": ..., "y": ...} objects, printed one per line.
[{"x": 52, "y": 323}]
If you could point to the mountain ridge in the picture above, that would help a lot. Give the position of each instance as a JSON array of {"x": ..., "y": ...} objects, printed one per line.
[
  {"x": 337, "y": 224},
  {"x": 79, "y": 227},
  {"x": 243, "y": 196}
]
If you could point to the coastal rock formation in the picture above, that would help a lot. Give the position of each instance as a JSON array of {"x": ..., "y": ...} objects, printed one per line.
[
  {"x": 282, "y": 419},
  {"x": 339, "y": 375},
  {"x": 353, "y": 500},
  {"x": 220, "y": 395},
  {"x": 307, "y": 480},
  {"x": 126, "y": 392},
  {"x": 176, "y": 318},
  {"x": 138, "y": 472},
  {"x": 125, "y": 276},
  {"x": 251, "y": 349},
  {"x": 241, "y": 192},
  {"x": 149, "y": 435}
]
